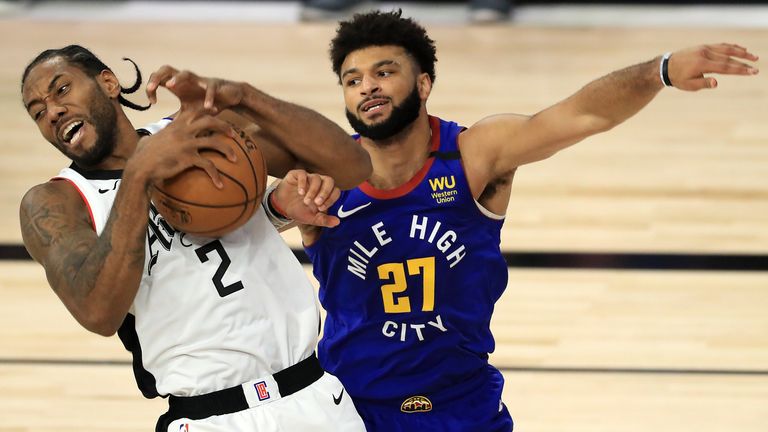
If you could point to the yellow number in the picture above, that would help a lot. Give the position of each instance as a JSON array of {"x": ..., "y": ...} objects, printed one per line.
[
  {"x": 427, "y": 265},
  {"x": 395, "y": 273},
  {"x": 392, "y": 304}
]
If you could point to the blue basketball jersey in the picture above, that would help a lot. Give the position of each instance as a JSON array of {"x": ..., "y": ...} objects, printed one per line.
[{"x": 409, "y": 279}]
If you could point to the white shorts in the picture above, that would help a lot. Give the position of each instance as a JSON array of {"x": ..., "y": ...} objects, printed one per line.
[
  {"x": 300, "y": 398},
  {"x": 313, "y": 408}
]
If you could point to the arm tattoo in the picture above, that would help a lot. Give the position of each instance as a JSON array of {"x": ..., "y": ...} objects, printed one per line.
[
  {"x": 45, "y": 224},
  {"x": 50, "y": 227}
]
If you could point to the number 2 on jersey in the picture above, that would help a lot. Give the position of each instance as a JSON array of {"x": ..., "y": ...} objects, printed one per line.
[
  {"x": 202, "y": 254},
  {"x": 395, "y": 273}
]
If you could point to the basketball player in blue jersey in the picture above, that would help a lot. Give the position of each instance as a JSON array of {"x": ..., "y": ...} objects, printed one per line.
[
  {"x": 225, "y": 328},
  {"x": 410, "y": 276}
]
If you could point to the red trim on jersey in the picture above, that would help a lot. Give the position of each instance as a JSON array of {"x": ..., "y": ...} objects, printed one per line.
[
  {"x": 407, "y": 187},
  {"x": 82, "y": 195}
]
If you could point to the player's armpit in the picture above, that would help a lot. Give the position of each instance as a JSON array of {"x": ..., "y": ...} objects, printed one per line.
[{"x": 491, "y": 150}]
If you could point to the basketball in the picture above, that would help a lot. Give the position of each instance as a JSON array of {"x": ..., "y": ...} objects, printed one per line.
[{"x": 191, "y": 203}]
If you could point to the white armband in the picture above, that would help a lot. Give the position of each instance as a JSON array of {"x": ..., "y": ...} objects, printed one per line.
[{"x": 273, "y": 211}]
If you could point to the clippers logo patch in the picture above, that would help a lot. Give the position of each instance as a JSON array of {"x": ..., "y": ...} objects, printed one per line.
[
  {"x": 261, "y": 390},
  {"x": 416, "y": 404}
]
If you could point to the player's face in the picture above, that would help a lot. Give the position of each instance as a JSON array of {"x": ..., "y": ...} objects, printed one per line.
[
  {"x": 72, "y": 111},
  {"x": 383, "y": 90}
]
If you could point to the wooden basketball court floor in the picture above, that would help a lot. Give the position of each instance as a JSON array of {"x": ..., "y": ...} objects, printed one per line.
[{"x": 582, "y": 350}]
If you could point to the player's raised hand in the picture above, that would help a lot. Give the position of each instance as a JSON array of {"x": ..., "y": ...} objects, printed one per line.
[
  {"x": 305, "y": 197},
  {"x": 214, "y": 94},
  {"x": 687, "y": 68},
  {"x": 177, "y": 147}
]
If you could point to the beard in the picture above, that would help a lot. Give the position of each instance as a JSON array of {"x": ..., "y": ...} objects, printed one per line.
[
  {"x": 104, "y": 120},
  {"x": 402, "y": 116}
]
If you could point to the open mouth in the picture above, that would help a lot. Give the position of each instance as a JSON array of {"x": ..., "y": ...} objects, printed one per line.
[
  {"x": 373, "y": 105},
  {"x": 71, "y": 131}
]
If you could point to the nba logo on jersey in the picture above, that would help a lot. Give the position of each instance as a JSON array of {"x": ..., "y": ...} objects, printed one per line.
[
  {"x": 184, "y": 427},
  {"x": 261, "y": 390}
]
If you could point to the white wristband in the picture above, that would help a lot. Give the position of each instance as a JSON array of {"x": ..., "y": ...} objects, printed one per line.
[
  {"x": 275, "y": 218},
  {"x": 664, "y": 70}
]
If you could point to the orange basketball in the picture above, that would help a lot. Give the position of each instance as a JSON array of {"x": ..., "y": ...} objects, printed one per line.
[{"x": 191, "y": 203}]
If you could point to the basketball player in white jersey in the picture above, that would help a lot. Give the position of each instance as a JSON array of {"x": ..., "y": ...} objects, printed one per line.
[{"x": 225, "y": 327}]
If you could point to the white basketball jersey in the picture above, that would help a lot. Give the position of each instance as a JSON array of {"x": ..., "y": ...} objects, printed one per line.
[{"x": 209, "y": 314}]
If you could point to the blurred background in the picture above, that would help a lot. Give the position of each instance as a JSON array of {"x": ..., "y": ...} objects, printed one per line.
[{"x": 638, "y": 259}]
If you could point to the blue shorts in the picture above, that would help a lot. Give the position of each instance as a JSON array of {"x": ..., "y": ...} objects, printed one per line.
[{"x": 470, "y": 408}]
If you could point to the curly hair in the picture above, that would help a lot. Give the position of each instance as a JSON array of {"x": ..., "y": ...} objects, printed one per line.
[
  {"x": 378, "y": 28},
  {"x": 86, "y": 61}
]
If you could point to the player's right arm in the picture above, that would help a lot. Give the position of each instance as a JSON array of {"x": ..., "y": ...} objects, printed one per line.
[{"x": 97, "y": 276}]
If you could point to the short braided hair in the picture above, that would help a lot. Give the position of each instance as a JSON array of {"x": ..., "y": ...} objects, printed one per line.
[{"x": 87, "y": 61}]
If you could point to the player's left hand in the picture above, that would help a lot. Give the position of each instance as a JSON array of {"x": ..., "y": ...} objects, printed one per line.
[
  {"x": 212, "y": 94},
  {"x": 687, "y": 67},
  {"x": 305, "y": 197}
]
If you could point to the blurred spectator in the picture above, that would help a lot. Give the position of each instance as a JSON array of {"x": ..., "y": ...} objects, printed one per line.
[{"x": 480, "y": 11}]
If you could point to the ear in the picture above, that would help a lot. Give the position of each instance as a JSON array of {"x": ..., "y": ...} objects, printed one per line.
[
  {"x": 424, "y": 82},
  {"x": 109, "y": 83}
]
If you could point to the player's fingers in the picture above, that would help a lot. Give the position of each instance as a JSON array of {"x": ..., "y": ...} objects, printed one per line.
[
  {"x": 732, "y": 50},
  {"x": 715, "y": 55},
  {"x": 209, "y": 169},
  {"x": 726, "y": 59},
  {"x": 326, "y": 187},
  {"x": 210, "y": 94},
  {"x": 157, "y": 79},
  {"x": 188, "y": 87},
  {"x": 180, "y": 77},
  {"x": 729, "y": 67},
  {"x": 219, "y": 145},
  {"x": 325, "y": 220},
  {"x": 161, "y": 75},
  {"x": 332, "y": 196},
  {"x": 207, "y": 123},
  {"x": 299, "y": 178},
  {"x": 698, "y": 84},
  {"x": 151, "y": 90},
  {"x": 314, "y": 182}
]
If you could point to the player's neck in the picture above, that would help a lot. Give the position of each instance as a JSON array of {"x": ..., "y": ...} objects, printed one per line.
[
  {"x": 127, "y": 141},
  {"x": 399, "y": 158}
]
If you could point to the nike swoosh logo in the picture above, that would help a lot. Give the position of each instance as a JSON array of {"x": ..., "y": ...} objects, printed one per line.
[
  {"x": 344, "y": 213},
  {"x": 337, "y": 400},
  {"x": 103, "y": 191}
]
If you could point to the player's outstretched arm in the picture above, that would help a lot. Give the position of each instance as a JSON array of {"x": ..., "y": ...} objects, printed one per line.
[
  {"x": 302, "y": 137},
  {"x": 97, "y": 276},
  {"x": 506, "y": 141}
]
